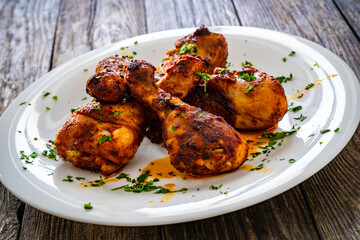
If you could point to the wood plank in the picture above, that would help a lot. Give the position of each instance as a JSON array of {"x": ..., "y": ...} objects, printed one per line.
[
  {"x": 283, "y": 217},
  {"x": 350, "y": 9},
  {"x": 82, "y": 27},
  {"x": 164, "y": 15},
  {"x": 334, "y": 205},
  {"x": 26, "y": 45}
]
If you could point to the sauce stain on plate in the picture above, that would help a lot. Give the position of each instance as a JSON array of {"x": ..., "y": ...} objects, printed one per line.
[{"x": 168, "y": 196}]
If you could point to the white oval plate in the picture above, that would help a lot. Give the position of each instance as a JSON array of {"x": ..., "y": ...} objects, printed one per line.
[{"x": 332, "y": 104}]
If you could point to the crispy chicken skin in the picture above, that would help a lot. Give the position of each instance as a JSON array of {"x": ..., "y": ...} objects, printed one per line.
[
  {"x": 177, "y": 75},
  {"x": 198, "y": 142},
  {"x": 211, "y": 48},
  {"x": 107, "y": 84},
  {"x": 102, "y": 136},
  {"x": 263, "y": 106}
]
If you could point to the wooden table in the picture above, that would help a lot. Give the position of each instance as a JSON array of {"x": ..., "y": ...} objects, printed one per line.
[{"x": 36, "y": 36}]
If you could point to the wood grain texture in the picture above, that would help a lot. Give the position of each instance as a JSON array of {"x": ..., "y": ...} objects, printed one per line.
[
  {"x": 283, "y": 217},
  {"x": 163, "y": 15},
  {"x": 350, "y": 9},
  {"x": 26, "y": 37},
  {"x": 333, "y": 193},
  {"x": 83, "y": 26},
  {"x": 86, "y": 25}
]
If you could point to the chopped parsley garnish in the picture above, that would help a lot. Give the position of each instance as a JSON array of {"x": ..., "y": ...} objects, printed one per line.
[
  {"x": 182, "y": 115},
  {"x": 124, "y": 175},
  {"x": 284, "y": 59},
  {"x": 136, "y": 42},
  {"x": 248, "y": 90},
  {"x": 143, "y": 176},
  {"x": 336, "y": 129},
  {"x": 301, "y": 118},
  {"x": 97, "y": 108},
  {"x": 316, "y": 65},
  {"x": 22, "y": 103},
  {"x": 213, "y": 187},
  {"x": 79, "y": 178},
  {"x": 292, "y": 160},
  {"x": 35, "y": 138},
  {"x": 51, "y": 152},
  {"x": 47, "y": 108},
  {"x": 88, "y": 206},
  {"x": 325, "y": 130},
  {"x": 140, "y": 185},
  {"x": 255, "y": 154},
  {"x": 55, "y": 97},
  {"x": 116, "y": 114},
  {"x": 283, "y": 79},
  {"x": 85, "y": 69},
  {"x": 188, "y": 48},
  {"x": 274, "y": 139},
  {"x": 92, "y": 132},
  {"x": 173, "y": 128},
  {"x": 68, "y": 179},
  {"x": 104, "y": 139},
  {"x": 300, "y": 95},
  {"x": 311, "y": 135},
  {"x": 84, "y": 98},
  {"x": 292, "y": 53},
  {"x": 246, "y": 63},
  {"x": 310, "y": 85},
  {"x": 246, "y": 76},
  {"x": 205, "y": 77},
  {"x": 201, "y": 114},
  {"x": 295, "y": 109},
  {"x": 258, "y": 167},
  {"x": 222, "y": 71},
  {"x": 74, "y": 109},
  {"x": 46, "y": 94},
  {"x": 23, "y": 167}
]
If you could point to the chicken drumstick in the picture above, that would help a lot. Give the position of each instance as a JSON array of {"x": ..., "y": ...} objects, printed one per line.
[{"x": 198, "y": 142}]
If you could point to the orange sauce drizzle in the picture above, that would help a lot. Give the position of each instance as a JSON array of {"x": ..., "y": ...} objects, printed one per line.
[
  {"x": 256, "y": 139},
  {"x": 96, "y": 181},
  {"x": 248, "y": 167},
  {"x": 303, "y": 91},
  {"x": 168, "y": 196}
]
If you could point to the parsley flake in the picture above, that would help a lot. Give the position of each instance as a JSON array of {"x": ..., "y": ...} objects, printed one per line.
[
  {"x": 88, "y": 206},
  {"x": 104, "y": 139},
  {"x": 301, "y": 118},
  {"x": 248, "y": 90}
]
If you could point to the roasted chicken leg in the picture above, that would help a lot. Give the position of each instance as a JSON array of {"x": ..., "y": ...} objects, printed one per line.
[
  {"x": 198, "y": 142},
  {"x": 247, "y": 99},
  {"x": 210, "y": 47},
  {"x": 107, "y": 84},
  {"x": 102, "y": 136}
]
